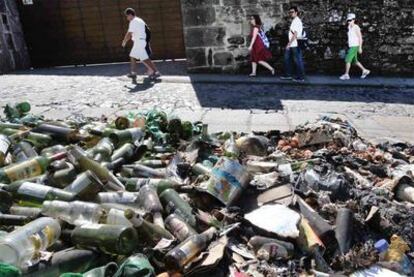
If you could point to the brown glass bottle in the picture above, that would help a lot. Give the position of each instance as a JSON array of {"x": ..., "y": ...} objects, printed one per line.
[{"x": 186, "y": 251}]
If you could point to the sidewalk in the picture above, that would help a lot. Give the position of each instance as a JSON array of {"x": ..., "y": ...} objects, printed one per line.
[
  {"x": 176, "y": 72},
  {"x": 380, "y": 108}
]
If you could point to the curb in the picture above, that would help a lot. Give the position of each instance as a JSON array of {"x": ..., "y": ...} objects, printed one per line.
[{"x": 228, "y": 79}]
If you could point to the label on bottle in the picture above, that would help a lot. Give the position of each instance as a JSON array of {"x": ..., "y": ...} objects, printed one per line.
[
  {"x": 179, "y": 229},
  {"x": 34, "y": 190},
  {"x": 4, "y": 144},
  {"x": 188, "y": 250},
  {"x": 118, "y": 197},
  {"x": 23, "y": 170}
]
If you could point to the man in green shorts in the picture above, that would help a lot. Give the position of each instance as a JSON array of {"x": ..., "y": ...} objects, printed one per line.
[{"x": 355, "y": 48}]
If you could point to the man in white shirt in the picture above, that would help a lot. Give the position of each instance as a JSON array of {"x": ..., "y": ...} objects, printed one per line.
[
  {"x": 355, "y": 47},
  {"x": 141, "y": 49},
  {"x": 293, "y": 50}
]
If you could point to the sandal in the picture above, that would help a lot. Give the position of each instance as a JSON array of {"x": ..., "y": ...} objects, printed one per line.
[{"x": 252, "y": 75}]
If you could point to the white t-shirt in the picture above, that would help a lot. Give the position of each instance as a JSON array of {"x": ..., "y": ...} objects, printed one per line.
[
  {"x": 295, "y": 26},
  {"x": 137, "y": 28},
  {"x": 353, "y": 39}
]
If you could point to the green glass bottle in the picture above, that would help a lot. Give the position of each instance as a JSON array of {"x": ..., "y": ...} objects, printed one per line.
[
  {"x": 175, "y": 130},
  {"x": 187, "y": 133},
  {"x": 112, "y": 239},
  {"x": 178, "y": 227},
  {"x": 32, "y": 194},
  {"x": 6, "y": 142},
  {"x": 134, "y": 184},
  {"x": 59, "y": 133},
  {"x": 52, "y": 150},
  {"x": 126, "y": 151},
  {"x": 6, "y": 200},
  {"x": 85, "y": 186},
  {"x": 77, "y": 155},
  {"x": 149, "y": 231},
  {"x": 122, "y": 123},
  {"x": 27, "y": 169},
  {"x": 5, "y": 125},
  {"x": 186, "y": 251},
  {"x": 148, "y": 199},
  {"x": 68, "y": 260},
  {"x": 60, "y": 174},
  {"x": 14, "y": 112},
  {"x": 154, "y": 163},
  {"x": 25, "y": 211},
  {"x": 138, "y": 170},
  {"x": 23, "y": 151},
  {"x": 103, "y": 150},
  {"x": 173, "y": 203},
  {"x": 40, "y": 141},
  {"x": 127, "y": 135},
  {"x": 14, "y": 220}
]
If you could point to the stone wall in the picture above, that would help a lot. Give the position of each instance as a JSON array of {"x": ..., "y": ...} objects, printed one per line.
[
  {"x": 13, "y": 49},
  {"x": 217, "y": 33}
]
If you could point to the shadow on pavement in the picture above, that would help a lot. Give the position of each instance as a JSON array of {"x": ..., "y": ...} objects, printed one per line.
[
  {"x": 270, "y": 97},
  {"x": 178, "y": 68},
  {"x": 146, "y": 84}
]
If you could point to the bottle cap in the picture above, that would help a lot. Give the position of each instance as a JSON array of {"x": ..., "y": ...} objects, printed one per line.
[{"x": 381, "y": 245}]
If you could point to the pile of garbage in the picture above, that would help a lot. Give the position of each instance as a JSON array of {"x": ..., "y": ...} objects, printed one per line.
[{"x": 152, "y": 195}]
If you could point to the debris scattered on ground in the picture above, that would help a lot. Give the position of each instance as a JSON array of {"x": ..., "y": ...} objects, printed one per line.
[{"x": 152, "y": 195}]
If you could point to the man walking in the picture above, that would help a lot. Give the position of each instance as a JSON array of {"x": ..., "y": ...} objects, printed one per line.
[
  {"x": 293, "y": 50},
  {"x": 141, "y": 50},
  {"x": 355, "y": 47}
]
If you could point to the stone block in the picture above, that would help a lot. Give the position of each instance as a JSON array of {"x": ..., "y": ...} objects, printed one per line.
[
  {"x": 196, "y": 57},
  {"x": 231, "y": 2},
  {"x": 223, "y": 58},
  {"x": 205, "y": 37},
  {"x": 239, "y": 40},
  {"x": 199, "y": 16},
  {"x": 197, "y": 3}
]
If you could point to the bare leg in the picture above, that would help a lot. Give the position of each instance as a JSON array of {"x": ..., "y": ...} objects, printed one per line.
[
  {"x": 347, "y": 68},
  {"x": 361, "y": 66},
  {"x": 254, "y": 69},
  {"x": 133, "y": 65},
  {"x": 151, "y": 65},
  {"x": 149, "y": 69},
  {"x": 268, "y": 66}
]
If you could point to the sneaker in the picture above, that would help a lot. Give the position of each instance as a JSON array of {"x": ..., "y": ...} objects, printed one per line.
[
  {"x": 298, "y": 80},
  {"x": 285, "y": 78},
  {"x": 365, "y": 74},
  {"x": 345, "y": 77},
  {"x": 132, "y": 75}
]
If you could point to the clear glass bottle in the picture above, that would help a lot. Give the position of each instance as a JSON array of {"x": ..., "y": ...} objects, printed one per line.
[
  {"x": 148, "y": 199},
  {"x": 22, "y": 247},
  {"x": 75, "y": 213},
  {"x": 120, "y": 197}
]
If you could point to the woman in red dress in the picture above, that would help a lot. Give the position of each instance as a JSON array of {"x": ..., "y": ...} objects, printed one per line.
[{"x": 259, "y": 54}]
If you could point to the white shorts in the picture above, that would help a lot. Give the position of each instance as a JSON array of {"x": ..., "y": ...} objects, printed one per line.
[{"x": 139, "y": 50}]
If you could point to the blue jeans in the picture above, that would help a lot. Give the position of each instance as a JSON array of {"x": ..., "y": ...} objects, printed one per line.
[{"x": 296, "y": 54}]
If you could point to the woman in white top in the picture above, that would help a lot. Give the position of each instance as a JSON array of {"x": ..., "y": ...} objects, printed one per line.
[{"x": 355, "y": 47}]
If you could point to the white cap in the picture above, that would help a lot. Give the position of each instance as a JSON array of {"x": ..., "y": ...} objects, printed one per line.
[{"x": 351, "y": 16}]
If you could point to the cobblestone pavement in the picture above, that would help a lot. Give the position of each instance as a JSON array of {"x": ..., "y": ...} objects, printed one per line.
[{"x": 377, "y": 113}]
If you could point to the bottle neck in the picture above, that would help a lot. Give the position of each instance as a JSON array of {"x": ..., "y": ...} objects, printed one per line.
[{"x": 58, "y": 156}]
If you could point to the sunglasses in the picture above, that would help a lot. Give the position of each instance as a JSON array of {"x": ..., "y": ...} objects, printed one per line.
[{"x": 290, "y": 12}]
